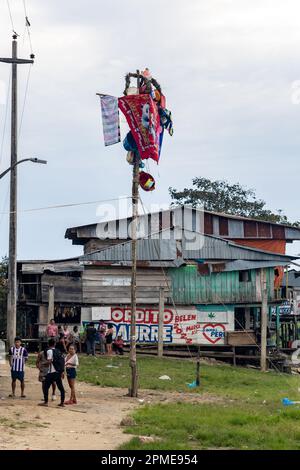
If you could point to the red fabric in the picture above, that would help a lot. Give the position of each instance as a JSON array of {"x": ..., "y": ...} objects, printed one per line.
[
  {"x": 279, "y": 278},
  {"x": 140, "y": 110}
]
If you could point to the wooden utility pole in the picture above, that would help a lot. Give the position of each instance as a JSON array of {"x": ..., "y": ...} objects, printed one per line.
[
  {"x": 198, "y": 367},
  {"x": 263, "y": 320},
  {"x": 133, "y": 391},
  {"x": 160, "y": 348},
  {"x": 12, "y": 263},
  {"x": 50, "y": 302}
]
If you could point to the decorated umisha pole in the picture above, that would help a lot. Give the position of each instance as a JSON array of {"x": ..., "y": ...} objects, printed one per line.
[{"x": 144, "y": 107}]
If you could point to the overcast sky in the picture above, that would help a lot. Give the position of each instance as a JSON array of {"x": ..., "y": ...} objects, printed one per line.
[{"x": 230, "y": 71}]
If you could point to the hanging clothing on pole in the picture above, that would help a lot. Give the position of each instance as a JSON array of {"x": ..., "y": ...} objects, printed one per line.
[
  {"x": 143, "y": 119},
  {"x": 110, "y": 119}
]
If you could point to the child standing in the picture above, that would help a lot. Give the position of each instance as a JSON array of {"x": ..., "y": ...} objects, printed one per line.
[
  {"x": 43, "y": 365},
  {"x": 75, "y": 338},
  {"x": 102, "y": 330},
  {"x": 18, "y": 356},
  {"x": 71, "y": 362}
]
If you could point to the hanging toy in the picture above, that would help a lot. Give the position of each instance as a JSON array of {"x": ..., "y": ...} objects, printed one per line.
[{"x": 147, "y": 182}]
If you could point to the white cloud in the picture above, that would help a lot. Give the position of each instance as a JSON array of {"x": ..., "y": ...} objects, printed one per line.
[{"x": 226, "y": 67}]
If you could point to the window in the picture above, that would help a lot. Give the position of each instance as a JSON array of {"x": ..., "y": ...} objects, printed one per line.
[{"x": 245, "y": 276}]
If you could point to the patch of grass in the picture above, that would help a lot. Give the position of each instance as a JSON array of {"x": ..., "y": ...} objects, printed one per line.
[
  {"x": 9, "y": 423},
  {"x": 186, "y": 426},
  {"x": 248, "y": 416},
  {"x": 235, "y": 383}
]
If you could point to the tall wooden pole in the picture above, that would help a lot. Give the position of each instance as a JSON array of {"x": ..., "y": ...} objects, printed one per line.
[
  {"x": 12, "y": 262},
  {"x": 133, "y": 391},
  {"x": 160, "y": 348},
  {"x": 263, "y": 320},
  {"x": 50, "y": 302}
]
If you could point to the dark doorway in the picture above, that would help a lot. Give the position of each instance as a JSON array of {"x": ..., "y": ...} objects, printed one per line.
[
  {"x": 239, "y": 318},
  {"x": 27, "y": 321}
]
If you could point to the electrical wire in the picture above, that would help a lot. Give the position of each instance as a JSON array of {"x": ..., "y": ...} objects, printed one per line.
[
  {"x": 27, "y": 26},
  {"x": 25, "y": 98},
  {"x": 75, "y": 204},
  {"x": 10, "y": 15}
]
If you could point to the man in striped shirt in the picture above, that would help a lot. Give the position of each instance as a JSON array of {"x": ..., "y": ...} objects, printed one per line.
[{"x": 18, "y": 356}]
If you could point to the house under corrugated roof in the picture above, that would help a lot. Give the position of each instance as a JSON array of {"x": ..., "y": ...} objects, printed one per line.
[{"x": 244, "y": 231}]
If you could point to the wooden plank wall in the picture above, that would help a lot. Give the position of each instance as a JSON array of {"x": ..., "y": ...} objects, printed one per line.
[
  {"x": 66, "y": 288},
  {"x": 105, "y": 286}
]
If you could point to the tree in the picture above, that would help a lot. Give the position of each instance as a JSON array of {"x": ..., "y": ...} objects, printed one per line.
[
  {"x": 234, "y": 199},
  {"x": 3, "y": 293}
]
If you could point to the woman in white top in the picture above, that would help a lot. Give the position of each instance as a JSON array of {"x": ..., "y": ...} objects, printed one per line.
[{"x": 71, "y": 363}]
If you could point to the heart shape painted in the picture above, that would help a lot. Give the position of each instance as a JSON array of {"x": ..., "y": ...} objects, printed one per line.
[{"x": 213, "y": 336}]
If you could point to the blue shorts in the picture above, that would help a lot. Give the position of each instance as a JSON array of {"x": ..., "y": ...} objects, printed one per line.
[
  {"x": 71, "y": 372},
  {"x": 17, "y": 375}
]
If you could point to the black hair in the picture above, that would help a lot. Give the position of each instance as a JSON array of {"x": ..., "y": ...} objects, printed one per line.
[
  {"x": 51, "y": 342},
  {"x": 17, "y": 338},
  {"x": 71, "y": 344},
  {"x": 110, "y": 325},
  {"x": 92, "y": 323}
]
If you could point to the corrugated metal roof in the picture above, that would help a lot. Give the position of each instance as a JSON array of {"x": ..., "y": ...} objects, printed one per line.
[
  {"x": 293, "y": 279},
  {"x": 194, "y": 246},
  {"x": 193, "y": 219},
  {"x": 240, "y": 265}
]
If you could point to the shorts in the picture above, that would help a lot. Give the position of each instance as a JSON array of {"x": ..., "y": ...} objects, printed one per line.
[
  {"x": 17, "y": 375},
  {"x": 71, "y": 372}
]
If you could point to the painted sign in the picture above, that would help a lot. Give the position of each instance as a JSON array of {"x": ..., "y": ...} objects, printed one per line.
[
  {"x": 185, "y": 325},
  {"x": 101, "y": 313}
]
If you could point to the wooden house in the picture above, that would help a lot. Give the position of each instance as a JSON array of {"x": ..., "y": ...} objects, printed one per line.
[{"x": 211, "y": 284}]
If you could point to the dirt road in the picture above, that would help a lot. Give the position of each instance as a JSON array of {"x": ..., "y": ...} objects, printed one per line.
[{"x": 92, "y": 424}]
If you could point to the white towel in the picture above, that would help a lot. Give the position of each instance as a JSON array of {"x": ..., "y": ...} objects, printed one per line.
[{"x": 110, "y": 119}]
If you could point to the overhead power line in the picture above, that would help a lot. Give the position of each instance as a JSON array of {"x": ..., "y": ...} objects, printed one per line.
[
  {"x": 27, "y": 26},
  {"x": 60, "y": 206},
  {"x": 10, "y": 15}
]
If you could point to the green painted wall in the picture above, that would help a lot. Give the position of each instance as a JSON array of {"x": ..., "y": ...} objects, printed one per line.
[{"x": 190, "y": 287}]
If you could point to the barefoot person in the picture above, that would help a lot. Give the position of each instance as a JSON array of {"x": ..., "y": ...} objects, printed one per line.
[
  {"x": 71, "y": 363},
  {"x": 43, "y": 366},
  {"x": 55, "y": 373},
  {"x": 18, "y": 357},
  {"x": 109, "y": 338}
]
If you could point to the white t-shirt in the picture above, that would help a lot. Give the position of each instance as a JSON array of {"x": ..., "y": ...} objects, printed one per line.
[
  {"x": 72, "y": 361},
  {"x": 50, "y": 358}
]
